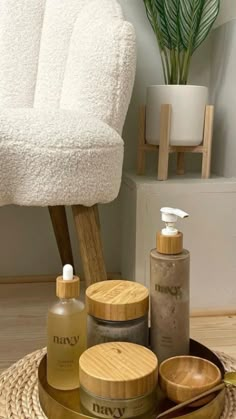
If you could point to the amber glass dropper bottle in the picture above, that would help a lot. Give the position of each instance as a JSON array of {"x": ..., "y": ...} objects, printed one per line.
[{"x": 66, "y": 333}]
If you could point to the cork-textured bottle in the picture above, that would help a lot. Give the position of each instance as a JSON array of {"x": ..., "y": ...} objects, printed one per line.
[
  {"x": 66, "y": 333},
  {"x": 169, "y": 291}
]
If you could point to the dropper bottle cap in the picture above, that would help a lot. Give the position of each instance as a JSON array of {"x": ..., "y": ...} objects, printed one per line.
[
  {"x": 68, "y": 285},
  {"x": 170, "y": 240}
]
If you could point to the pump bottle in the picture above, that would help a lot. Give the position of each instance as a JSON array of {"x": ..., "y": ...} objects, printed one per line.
[
  {"x": 66, "y": 333},
  {"x": 169, "y": 289}
]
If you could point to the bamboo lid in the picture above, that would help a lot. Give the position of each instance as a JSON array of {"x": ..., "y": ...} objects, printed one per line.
[
  {"x": 170, "y": 245},
  {"x": 68, "y": 288},
  {"x": 117, "y": 300},
  {"x": 118, "y": 370}
]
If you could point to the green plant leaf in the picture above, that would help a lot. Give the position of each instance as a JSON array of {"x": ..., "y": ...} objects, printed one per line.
[
  {"x": 152, "y": 15},
  {"x": 180, "y": 27},
  {"x": 159, "y": 4},
  {"x": 189, "y": 12},
  {"x": 196, "y": 18},
  {"x": 207, "y": 17},
  {"x": 171, "y": 10},
  {"x": 150, "y": 10}
]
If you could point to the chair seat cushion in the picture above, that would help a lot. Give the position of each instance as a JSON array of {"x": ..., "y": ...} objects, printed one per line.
[{"x": 57, "y": 157}]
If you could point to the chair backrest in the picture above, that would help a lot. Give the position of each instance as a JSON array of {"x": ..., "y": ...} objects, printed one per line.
[{"x": 73, "y": 54}]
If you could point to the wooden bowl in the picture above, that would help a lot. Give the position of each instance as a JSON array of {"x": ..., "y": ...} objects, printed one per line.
[{"x": 184, "y": 377}]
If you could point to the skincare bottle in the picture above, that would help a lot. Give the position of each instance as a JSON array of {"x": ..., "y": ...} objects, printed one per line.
[
  {"x": 169, "y": 289},
  {"x": 66, "y": 333}
]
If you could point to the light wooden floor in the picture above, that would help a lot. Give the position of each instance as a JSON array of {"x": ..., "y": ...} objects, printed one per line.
[{"x": 23, "y": 309}]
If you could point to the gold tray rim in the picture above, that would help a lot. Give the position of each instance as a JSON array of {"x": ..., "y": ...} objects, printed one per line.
[{"x": 49, "y": 403}]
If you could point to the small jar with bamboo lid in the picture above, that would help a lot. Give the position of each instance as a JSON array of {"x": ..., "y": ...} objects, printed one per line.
[
  {"x": 117, "y": 312},
  {"x": 118, "y": 380}
]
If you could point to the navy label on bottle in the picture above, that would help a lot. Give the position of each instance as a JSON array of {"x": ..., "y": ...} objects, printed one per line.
[
  {"x": 64, "y": 340},
  {"x": 175, "y": 291},
  {"x": 114, "y": 412}
]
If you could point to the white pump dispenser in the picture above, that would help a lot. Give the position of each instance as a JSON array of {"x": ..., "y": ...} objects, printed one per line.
[{"x": 170, "y": 217}]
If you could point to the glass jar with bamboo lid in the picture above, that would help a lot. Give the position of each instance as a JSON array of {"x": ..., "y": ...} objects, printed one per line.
[
  {"x": 117, "y": 312},
  {"x": 118, "y": 380}
]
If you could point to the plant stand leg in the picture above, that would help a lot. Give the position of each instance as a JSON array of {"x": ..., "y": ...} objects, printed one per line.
[
  {"x": 207, "y": 142},
  {"x": 141, "y": 142},
  {"x": 163, "y": 160},
  {"x": 60, "y": 227},
  {"x": 88, "y": 231},
  {"x": 180, "y": 163}
]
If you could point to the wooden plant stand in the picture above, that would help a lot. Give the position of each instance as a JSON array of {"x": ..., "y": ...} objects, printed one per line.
[{"x": 165, "y": 148}]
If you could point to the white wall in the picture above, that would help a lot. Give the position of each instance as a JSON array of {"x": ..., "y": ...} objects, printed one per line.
[
  {"x": 223, "y": 92},
  {"x": 227, "y": 12},
  {"x": 209, "y": 203},
  {"x": 27, "y": 244},
  {"x": 28, "y": 247},
  {"x": 211, "y": 244}
]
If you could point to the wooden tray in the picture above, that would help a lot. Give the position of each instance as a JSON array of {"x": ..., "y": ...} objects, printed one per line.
[{"x": 66, "y": 404}]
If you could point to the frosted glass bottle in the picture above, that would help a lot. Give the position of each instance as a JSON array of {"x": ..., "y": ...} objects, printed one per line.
[
  {"x": 169, "y": 291},
  {"x": 117, "y": 312},
  {"x": 66, "y": 334}
]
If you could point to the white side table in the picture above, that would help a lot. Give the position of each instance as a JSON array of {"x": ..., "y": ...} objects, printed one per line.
[{"x": 209, "y": 233}]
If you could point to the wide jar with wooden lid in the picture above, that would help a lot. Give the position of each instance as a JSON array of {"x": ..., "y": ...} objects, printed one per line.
[
  {"x": 117, "y": 312},
  {"x": 118, "y": 380}
]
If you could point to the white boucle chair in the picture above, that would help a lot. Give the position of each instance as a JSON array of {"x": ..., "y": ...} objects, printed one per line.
[{"x": 66, "y": 76}]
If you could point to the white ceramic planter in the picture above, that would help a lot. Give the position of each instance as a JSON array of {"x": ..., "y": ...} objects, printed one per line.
[{"x": 188, "y": 109}]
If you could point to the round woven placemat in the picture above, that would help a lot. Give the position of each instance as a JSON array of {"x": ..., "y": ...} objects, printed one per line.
[{"x": 19, "y": 389}]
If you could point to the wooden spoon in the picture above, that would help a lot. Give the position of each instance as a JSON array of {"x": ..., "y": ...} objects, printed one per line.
[{"x": 194, "y": 399}]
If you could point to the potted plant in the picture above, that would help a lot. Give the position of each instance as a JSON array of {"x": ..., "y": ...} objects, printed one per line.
[{"x": 180, "y": 27}]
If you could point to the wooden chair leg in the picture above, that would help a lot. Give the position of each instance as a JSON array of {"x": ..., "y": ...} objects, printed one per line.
[
  {"x": 163, "y": 160},
  {"x": 141, "y": 141},
  {"x": 88, "y": 231},
  {"x": 207, "y": 142},
  {"x": 60, "y": 227}
]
